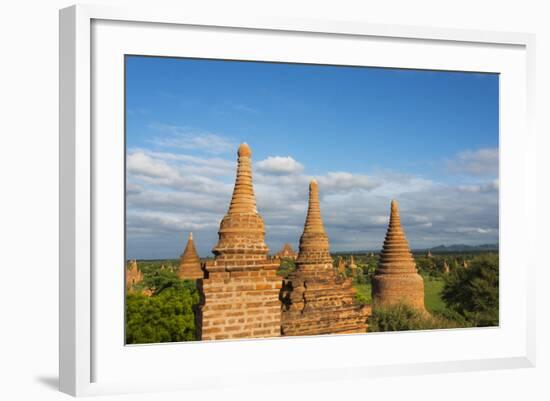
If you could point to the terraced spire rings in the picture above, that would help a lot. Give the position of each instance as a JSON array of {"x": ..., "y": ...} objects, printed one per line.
[
  {"x": 314, "y": 244},
  {"x": 396, "y": 257},
  {"x": 242, "y": 228}
]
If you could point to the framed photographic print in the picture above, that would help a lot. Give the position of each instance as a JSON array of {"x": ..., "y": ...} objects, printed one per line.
[{"x": 349, "y": 197}]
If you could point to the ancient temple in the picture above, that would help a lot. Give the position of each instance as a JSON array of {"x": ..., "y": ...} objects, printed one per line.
[
  {"x": 240, "y": 291},
  {"x": 429, "y": 254},
  {"x": 352, "y": 266},
  {"x": 133, "y": 275},
  {"x": 465, "y": 264},
  {"x": 396, "y": 279},
  {"x": 287, "y": 252},
  {"x": 190, "y": 263},
  {"x": 341, "y": 265},
  {"x": 316, "y": 299},
  {"x": 446, "y": 268}
]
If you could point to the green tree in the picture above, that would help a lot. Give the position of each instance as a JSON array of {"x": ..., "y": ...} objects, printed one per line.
[
  {"x": 167, "y": 317},
  {"x": 158, "y": 280},
  {"x": 287, "y": 266},
  {"x": 473, "y": 292},
  {"x": 360, "y": 277},
  {"x": 401, "y": 317}
]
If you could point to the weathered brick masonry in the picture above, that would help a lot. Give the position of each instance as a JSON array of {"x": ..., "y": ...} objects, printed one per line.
[
  {"x": 396, "y": 279},
  {"x": 240, "y": 292},
  {"x": 317, "y": 299},
  {"x": 190, "y": 263}
]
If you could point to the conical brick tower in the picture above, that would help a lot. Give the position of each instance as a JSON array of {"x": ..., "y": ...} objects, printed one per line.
[
  {"x": 446, "y": 268},
  {"x": 190, "y": 263},
  {"x": 316, "y": 299},
  {"x": 287, "y": 252},
  {"x": 396, "y": 279},
  {"x": 133, "y": 275},
  {"x": 240, "y": 291},
  {"x": 341, "y": 265}
]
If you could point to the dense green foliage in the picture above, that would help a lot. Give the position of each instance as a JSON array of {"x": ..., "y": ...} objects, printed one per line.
[
  {"x": 432, "y": 294},
  {"x": 166, "y": 317},
  {"x": 473, "y": 292},
  {"x": 363, "y": 293},
  {"x": 287, "y": 267},
  {"x": 157, "y": 276},
  {"x": 463, "y": 298},
  {"x": 402, "y": 317}
]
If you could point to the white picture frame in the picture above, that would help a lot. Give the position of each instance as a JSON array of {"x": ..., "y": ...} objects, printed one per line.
[{"x": 86, "y": 352}]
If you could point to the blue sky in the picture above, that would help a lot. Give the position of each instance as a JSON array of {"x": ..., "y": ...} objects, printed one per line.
[{"x": 369, "y": 134}]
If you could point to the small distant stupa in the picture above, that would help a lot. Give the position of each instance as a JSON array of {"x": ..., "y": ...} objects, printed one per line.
[
  {"x": 341, "y": 265},
  {"x": 190, "y": 263},
  {"x": 465, "y": 264},
  {"x": 133, "y": 275},
  {"x": 287, "y": 252},
  {"x": 446, "y": 268},
  {"x": 316, "y": 299},
  {"x": 396, "y": 279},
  {"x": 429, "y": 254}
]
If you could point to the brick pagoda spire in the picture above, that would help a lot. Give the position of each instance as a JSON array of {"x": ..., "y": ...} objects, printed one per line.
[
  {"x": 190, "y": 263},
  {"x": 396, "y": 279},
  {"x": 242, "y": 228},
  {"x": 240, "y": 292},
  {"x": 316, "y": 299}
]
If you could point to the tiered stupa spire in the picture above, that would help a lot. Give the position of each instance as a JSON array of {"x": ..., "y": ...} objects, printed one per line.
[
  {"x": 316, "y": 299},
  {"x": 190, "y": 263},
  {"x": 240, "y": 291},
  {"x": 396, "y": 279},
  {"x": 314, "y": 246},
  {"x": 242, "y": 228}
]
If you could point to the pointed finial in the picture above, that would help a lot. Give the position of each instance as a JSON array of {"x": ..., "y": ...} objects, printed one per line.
[
  {"x": 244, "y": 150},
  {"x": 190, "y": 235},
  {"x": 394, "y": 206}
]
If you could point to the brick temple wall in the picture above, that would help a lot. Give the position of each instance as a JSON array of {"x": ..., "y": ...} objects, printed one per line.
[{"x": 240, "y": 300}]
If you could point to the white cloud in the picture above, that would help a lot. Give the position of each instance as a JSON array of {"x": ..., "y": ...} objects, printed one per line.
[
  {"x": 140, "y": 163},
  {"x": 344, "y": 181},
  {"x": 169, "y": 194},
  {"x": 160, "y": 170},
  {"x": 475, "y": 162},
  {"x": 279, "y": 165},
  {"x": 492, "y": 186},
  {"x": 185, "y": 138}
]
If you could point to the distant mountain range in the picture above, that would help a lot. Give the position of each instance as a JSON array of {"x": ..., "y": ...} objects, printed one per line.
[
  {"x": 439, "y": 249},
  {"x": 462, "y": 248}
]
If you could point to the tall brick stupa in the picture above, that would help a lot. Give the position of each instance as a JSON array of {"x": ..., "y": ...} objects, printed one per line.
[
  {"x": 316, "y": 299},
  {"x": 240, "y": 291},
  {"x": 396, "y": 279},
  {"x": 190, "y": 263}
]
